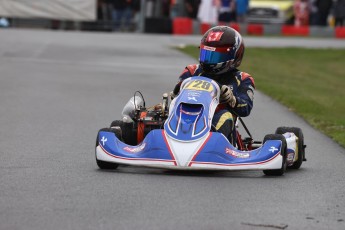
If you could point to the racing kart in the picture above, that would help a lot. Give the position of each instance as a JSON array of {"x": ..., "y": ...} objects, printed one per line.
[{"x": 181, "y": 136}]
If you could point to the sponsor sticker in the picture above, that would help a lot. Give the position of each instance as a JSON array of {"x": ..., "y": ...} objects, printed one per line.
[
  {"x": 135, "y": 149},
  {"x": 214, "y": 36},
  {"x": 237, "y": 154},
  {"x": 290, "y": 158},
  {"x": 194, "y": 94},
  {"x": 250, "y": 94},
  {"x": 192, "y": 98},
  {"x": 209, "y": 48}
]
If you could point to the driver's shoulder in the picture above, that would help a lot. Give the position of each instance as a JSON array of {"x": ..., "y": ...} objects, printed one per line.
[
  {"x": 244, "y": 77},
  {"x": 193, "y": 69}
]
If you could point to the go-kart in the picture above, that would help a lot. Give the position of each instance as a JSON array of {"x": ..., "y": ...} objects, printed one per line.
[{"x": 181, "y": 136}]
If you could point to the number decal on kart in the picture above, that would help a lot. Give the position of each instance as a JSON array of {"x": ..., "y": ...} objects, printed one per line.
[{"x": 200, "y": 85}]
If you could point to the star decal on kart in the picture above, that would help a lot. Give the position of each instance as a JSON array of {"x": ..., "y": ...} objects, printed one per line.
[
  {"x": 273, "y": 149},
  {"x": 103, "y": 140}
]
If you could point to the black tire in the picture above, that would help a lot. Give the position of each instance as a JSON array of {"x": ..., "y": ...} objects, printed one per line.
[
  {"x": 281, "y": 171},
  {"x": 128, "y": 136},
  {"x": 301, "y": 148},
  {"x": 104, "y": 164}
]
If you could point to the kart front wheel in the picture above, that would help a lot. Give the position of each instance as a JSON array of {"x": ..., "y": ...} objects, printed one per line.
[
  {"x": 104, "y": 164},
  {"x": 281, "y": 171},
  {"x": 300, "y": 146}
]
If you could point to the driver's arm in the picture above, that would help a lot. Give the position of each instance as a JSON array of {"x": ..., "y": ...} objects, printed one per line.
[{"x": 244, "y": 96}]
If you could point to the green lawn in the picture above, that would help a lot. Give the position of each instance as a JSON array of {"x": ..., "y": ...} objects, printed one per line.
[{"x": 311, "y": 82}]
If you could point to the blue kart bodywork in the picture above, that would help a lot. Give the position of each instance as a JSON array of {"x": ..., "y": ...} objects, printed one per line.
[
  {"x": 186, "y": 140},
  {"x": 215, "y": 152}
]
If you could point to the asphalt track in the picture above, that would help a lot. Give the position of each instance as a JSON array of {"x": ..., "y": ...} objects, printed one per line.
[{"x": 58, "y": 88}]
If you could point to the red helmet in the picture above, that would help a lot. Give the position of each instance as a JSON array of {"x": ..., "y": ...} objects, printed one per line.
[{"x": 221, "y": 50}]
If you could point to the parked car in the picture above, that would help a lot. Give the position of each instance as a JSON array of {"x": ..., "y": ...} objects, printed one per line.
[{"x": 271, "y": 11}]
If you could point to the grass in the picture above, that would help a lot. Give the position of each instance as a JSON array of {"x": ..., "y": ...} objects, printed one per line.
[{"x": 311, "y": 82}]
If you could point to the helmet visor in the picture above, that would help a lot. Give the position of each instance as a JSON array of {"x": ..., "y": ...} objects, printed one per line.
[{"x": 213, "y": 55}]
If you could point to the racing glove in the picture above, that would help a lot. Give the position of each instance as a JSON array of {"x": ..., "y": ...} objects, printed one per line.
[{"x": 227, "y": 96}]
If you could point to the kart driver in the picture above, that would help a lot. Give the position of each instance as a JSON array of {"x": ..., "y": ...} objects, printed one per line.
[{"x": 221, "y": 53}]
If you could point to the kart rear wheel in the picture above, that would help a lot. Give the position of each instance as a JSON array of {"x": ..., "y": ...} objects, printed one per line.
[
  {"x": 104, "y": 164},
  {"x": 281, "y": 171},
  {"x": 301, "y": 147},
  {"x": 128, "y": 136}
]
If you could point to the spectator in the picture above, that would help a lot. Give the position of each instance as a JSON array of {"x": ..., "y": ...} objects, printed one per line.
[
  {"x": 312, "y": 13},
  {"x": 339, "y": 12},
  {"x": 135, "y": 6},
  {"x": 323, "y": 9},
  {"x": 104, "y": 18},
  {"x": 208, "y": 12},
  {"x": 100, "y": 11},
  {"x": 192, "y": 7},
  {"x": 121, "y": 14},
  {"x": 227, "y": 11},
  {"x": 104, "y": 10},
  {"x": 166, "y": 8},
  {"x": 301, "y": 12},
  {"x": 150, "y": 6},
  {"x": 174, "y": 12},
  {"x": 241, "y": 10}
]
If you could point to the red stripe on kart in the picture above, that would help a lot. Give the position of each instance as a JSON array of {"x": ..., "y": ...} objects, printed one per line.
[
  {"x": 167, "y": 144},
  {"x": 197, "y": 153},
  {"x": 135, "y": 159}
]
